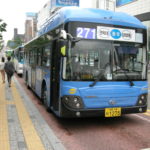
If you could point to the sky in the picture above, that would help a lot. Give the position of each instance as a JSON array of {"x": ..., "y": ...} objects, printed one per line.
[{"x": 13, "y": 13}]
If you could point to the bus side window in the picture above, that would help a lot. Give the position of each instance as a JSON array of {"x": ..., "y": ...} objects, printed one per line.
[
  {"x": 27, "y": 56},
  {"x": 33, "y": 55},
  {"x": 31, "y": 58},
  {"x": 46, "y": 57},
  {"x": 39, "y": 57}
]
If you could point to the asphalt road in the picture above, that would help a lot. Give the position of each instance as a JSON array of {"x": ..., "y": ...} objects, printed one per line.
[{"x": 129, "y": 132}]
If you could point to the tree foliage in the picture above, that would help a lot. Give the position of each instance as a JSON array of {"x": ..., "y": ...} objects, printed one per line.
[
  {"x": 2, "y": 29},
  {"x": 14, "y": 43}
]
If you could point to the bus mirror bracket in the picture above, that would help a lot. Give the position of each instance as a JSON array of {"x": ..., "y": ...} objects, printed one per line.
[{"x": 63, "y": 34}]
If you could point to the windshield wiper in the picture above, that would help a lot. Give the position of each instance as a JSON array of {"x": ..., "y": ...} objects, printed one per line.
[
  {"x": 124, "y": 71},
  {"x": 96, "y": 80}
]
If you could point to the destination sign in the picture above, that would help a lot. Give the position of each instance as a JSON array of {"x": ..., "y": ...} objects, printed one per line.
[{"x": 119, "y": 34}]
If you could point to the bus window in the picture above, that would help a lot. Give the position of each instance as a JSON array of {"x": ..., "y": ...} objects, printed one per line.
[
  {"x": 87, "y": 61},
  {"x": 39, "y": 56},
  {"x": 31, "y": 59},
  {"x": 46, "y": 57},
  {"x": 26, "y": 57}
]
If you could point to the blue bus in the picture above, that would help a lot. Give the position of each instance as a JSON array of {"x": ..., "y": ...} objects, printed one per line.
[
  {"x": 18, "y": 60},
  {"x": 89, "y": 62}
]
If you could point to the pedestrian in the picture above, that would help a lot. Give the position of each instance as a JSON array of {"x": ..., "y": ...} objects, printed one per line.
[
  {"x": 2, "y": 63},
  {"x": 9, "y": 69}
]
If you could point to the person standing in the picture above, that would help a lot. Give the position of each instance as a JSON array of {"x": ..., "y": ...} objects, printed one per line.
[
  {"x": 2, "y": 63},
  {"x": 9, "y": 69}
]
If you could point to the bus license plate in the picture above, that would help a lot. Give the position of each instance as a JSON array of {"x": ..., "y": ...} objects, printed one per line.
[{"x": 113, "y": 112}]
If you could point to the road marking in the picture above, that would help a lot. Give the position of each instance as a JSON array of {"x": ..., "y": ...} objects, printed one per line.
[
  {"x": 4, "y": 135},
  {"x": 31, "y": 137},
  {"x": 142, "y": 118}
]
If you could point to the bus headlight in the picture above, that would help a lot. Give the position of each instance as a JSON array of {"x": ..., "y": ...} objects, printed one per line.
[
  {"x": 142, "y": 100},
  {"x": 73, "y": 101}
]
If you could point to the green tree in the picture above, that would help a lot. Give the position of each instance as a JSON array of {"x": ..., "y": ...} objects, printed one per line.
[
  {"x": 1, "y": 44},
  {"x": 2, "y": 29},
  {"x": 14, "y": 43}
]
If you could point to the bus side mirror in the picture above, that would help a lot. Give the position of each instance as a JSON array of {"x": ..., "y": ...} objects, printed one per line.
[{"x": 63, "y": 51}]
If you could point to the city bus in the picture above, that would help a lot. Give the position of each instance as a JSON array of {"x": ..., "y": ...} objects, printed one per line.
[
  {"x": 18, "y": 60},
  {"x": 89, "y": 62}
]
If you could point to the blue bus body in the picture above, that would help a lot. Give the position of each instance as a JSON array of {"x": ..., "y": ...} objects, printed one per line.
[{"x": 87, "y": 96}]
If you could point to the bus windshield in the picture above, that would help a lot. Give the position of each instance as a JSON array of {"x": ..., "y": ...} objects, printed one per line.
[
  {"x": 104, "y": 60},
  {"x": 20, "y": 57}
]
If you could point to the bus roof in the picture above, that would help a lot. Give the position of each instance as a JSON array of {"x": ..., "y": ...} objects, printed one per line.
[{"x": 67, "y": 14}]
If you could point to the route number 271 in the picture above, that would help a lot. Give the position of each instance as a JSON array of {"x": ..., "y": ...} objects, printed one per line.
[{"x": 86, "y": 33}]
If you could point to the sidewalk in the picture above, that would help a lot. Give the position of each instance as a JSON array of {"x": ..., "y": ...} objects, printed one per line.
[{"x": 21, "y": 125}]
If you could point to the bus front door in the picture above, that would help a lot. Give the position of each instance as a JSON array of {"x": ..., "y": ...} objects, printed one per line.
[
  {"x": 33, "y": 77},
  {"x": 55, "y": 78}
]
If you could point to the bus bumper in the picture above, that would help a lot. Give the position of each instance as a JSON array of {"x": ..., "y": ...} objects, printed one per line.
[
  {"x": 72, "y": 113},
  {"x": 20, "y": 72}
]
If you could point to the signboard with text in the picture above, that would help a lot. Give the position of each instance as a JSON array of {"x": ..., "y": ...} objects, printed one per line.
[
  {"x": 117, "y": 34},
  {"x": 123, "y": 2},
  {"x": 108, "y": 33},
  {"x": 62, "y": 3}
]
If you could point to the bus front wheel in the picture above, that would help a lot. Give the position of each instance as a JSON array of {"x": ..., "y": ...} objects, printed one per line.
[
  {"x": 45, "y": 98},
  {"x": 27, "y": 82}
]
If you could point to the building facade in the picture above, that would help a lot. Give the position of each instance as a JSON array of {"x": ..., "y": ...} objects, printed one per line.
[
  {"x": 43, "y": 15},
  {"x": 30, "y": 26},
  {"x": 104, "y": 4},
  {"x": 137, "y": 8},
  {"x": 16, "y": 35}
]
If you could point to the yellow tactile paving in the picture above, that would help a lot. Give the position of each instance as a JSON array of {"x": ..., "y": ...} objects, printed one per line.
[
  {"x": 4, "y": 135},
  {"x": 32, "y": 139},
  {"x": 10, "y": 102},
  {"x": 147, "y": 113}
]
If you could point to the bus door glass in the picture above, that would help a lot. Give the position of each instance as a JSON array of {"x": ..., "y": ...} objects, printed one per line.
[
  {"x": 33, "y": 54},
  {"x": 55, "y": 74}
]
